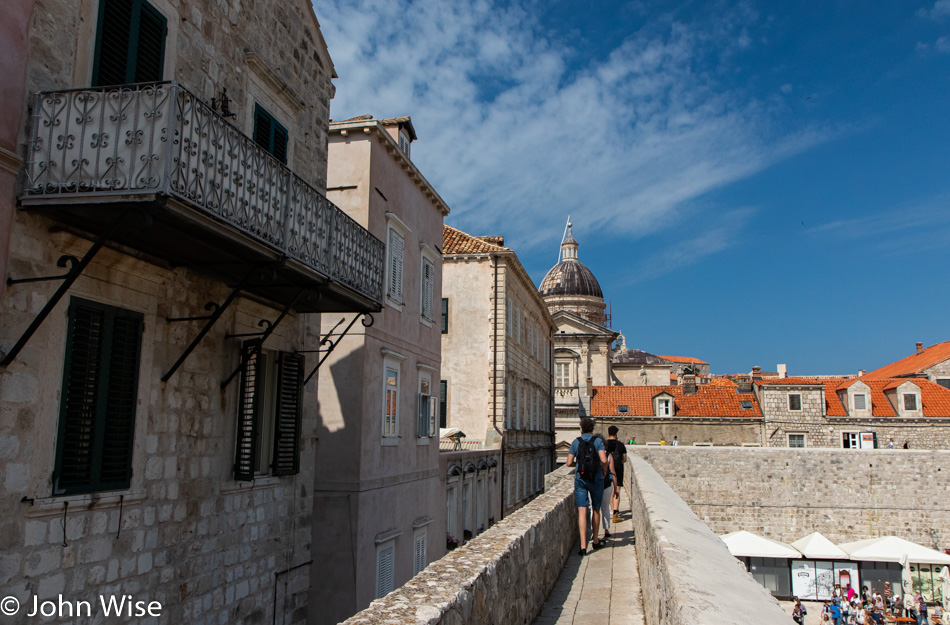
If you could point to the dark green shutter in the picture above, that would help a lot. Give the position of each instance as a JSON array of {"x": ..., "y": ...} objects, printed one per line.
[
  {"x": 443, "y": 403},
  {"x": 98, "y": 401},
  {"x": 249, "y": 410},
  {"x": 270, "y": 134},
  {"x": 287, "y": 415},
  {"x": 130, "y": 43},
  {"x": 445, "y": 315}
]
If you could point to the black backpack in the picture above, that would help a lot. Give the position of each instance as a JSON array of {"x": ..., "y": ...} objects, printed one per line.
[{"x": 588, "y": 461}]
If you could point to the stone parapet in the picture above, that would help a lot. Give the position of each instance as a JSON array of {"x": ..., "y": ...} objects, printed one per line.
[
  {"x": 501, "y": 577},
  {"x": 687, "y": 574}
]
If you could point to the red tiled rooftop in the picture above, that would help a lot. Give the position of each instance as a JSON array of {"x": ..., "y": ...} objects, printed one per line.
[
  {"x": 934, "y": 398},
  {"x": 454, "y": 241},
  {"x": 684, "y": 360},
  {"x": 708, "y": 401},
  {"x": 915, "y": 363}
]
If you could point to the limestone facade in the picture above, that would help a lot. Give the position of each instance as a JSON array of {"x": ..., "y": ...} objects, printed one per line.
[
  {"x": 472, "y": 491},
  {"x": 786, "y": 494},
  {"x": 379, "y": 510},
  {"x": 186, "y": 533},
  {"x": 498, "y": 360}
]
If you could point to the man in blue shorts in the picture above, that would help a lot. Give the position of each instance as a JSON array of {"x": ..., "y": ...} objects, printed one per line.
[{"x": 588, "y": 454}]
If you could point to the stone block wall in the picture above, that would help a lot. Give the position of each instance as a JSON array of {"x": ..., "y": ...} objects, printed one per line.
[
  {"x": 687, "y": 575},
  {"x": 501, "y": 577},
  {"x": 786, "y": 494}
]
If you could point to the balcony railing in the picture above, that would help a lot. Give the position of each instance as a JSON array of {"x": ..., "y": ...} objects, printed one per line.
[{"x": 160, "y": 140}]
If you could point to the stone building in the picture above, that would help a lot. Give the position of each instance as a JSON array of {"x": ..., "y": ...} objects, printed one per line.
[
  {"x": 697, "y": 414},
  {"x": 379, "y": 511},
  {"x": 635, "y": 367},
  {"x": 583, "y": 344},
  {"x": 854, "y": 413},
  {"x": 932, "y": 363},
  {"x": 497, "y": 354},
  {"x": 158, "y": 395}
]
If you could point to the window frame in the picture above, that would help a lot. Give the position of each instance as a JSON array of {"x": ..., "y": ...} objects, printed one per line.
[
  {"x": 558, "y": 377},
  {"x": 392, "y": 361},
  {"x": 854, "y": 401},
  {"x": 419, "y": 565},
  {"x": 427, "y": 285},
  {"x": 664, "y": 402},
  {"x": 276, "y": 129},
  {"x": 426, "y": 406},
  {"x": 789, "y": 402},
  {"x": 396, "y": 297},
  {"x": 445, "y": 316},
  {"x": 132, "y": 45},
  {"x": 916, "y": 400},
  {"x": 804, "y": 438},
  {"x": 443, "y": 403},
  {"x": 388, "y": 546},
  {"x": 102, "y": 402}
]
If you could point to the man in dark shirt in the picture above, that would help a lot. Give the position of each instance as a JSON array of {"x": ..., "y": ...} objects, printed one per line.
[{"x": 619, "y": 451}]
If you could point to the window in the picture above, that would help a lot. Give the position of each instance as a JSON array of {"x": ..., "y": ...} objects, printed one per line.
[
  {"x": 622, "y": 409},
  {"x": 944, "y": 382},
  {"x": 794, "y": 401},
  {"x": 391, "y": 403},
  {"x": 397, "y": 248},
  {"x": 99, "y": 396},
  {"x": 419, "y": 550},
  {"x": 427, "y": 408},
  {"x": 663, "y": 407},
  {"x": 910, "y": 401},
  {"x": 860, "y": 401},
  {"x": 270, "y": 134},
  {"x": 404, "y": 144},
  {"x": 511, "y": 319},
  {"x": 518, "y": 329},
  {"x": 130, "y": 43},
  {"x": 443, "y": 403},
  {"x": 796, "y": 440},
  {"x": 850, "y": 440},
  {"x": 385, "y": 565},
  {"x": 428, "y": 286},
  {"x": 562, "y": 374},
  {"x": 445, "y": 315},
  {"x": 268, "y": 422},
  {"x": 745, "y": 405}
]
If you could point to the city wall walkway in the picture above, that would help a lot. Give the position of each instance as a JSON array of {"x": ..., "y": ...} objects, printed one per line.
[{"x": 603, "y": 586}]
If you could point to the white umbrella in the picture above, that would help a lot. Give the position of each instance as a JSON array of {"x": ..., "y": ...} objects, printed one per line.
[
  {"x": 907, "y": 582},
  {"x": 817, "y": 547},
  {"x": 748, "y": 545},
  {"x": 893, "y": 549}
]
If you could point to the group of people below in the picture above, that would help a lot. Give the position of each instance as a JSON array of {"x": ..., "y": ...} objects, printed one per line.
[
  {"x": 598, "y": 477},
  {"x": 846, "y": 607}
]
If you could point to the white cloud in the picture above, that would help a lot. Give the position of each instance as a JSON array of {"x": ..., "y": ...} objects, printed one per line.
[
  {"x": 516, "y": 131},
  {"x": 786, "y": 88},
  {"x": 941, "y": 9}
]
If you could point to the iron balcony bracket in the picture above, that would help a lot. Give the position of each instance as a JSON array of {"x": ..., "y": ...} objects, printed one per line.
[
  {"x": 269, "y": 327},
  {"x": 264, "y": 274},
  {"x": 76, "y": 267},
  {"x": 331, "y": 344}
]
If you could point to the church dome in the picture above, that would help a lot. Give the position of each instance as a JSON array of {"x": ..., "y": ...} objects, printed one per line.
[{"x": 570, "y": 276}]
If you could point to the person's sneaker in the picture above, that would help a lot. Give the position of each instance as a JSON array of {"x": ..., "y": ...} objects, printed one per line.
[
  {"x": 606, "y": 534},
  {"x": 582, "y": 552},
  {"x": 597, "y": 545}
]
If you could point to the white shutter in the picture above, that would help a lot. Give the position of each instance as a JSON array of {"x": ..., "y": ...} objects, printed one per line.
[
  {"x": 397, "y": 246},
  {"x": 433, "y": 415},
  {"x": 385, "y": 555},
  {"x": 419, "y": 551}
]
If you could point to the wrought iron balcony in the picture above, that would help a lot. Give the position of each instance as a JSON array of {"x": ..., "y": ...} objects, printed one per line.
[{"x": 213, "y": 198}]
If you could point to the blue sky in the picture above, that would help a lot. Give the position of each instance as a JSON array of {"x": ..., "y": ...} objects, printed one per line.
[{"x": 751, "y": 182}]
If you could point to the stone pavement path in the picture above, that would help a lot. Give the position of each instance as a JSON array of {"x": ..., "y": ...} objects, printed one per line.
[{"x": 603, "y": 587}]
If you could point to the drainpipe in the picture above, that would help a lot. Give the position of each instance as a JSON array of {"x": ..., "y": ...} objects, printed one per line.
[{"x": 494, "y": 381}]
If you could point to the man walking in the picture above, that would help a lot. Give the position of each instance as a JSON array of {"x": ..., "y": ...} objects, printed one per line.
[
  {"x": 588, "y": 454},
  {"x": 619, "y": 452}
]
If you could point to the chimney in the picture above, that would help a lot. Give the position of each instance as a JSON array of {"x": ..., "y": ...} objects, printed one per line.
[
  {"x": 756, "y": 372},
  {"x": 861, "y": 372},
  {"x": 743, "y": 384},
  {"x": 782, "y": 370},
  {"x": 590, "y": 387},
  {"x": 920, "y": 347},
  {"x": 689, "y": 384}
]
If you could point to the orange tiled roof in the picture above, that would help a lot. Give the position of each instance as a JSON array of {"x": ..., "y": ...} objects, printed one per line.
[
  {"x": 454, "y": 241},
  {"x": 934, "y": 398},
  {"x": 684, "y": 360},
  {"x": 915, "y": 363},
  {"x": 721, "y": 382},
  {"x": 708, "y": 401}
]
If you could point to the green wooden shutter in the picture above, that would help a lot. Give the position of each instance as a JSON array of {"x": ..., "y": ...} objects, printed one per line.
[
  {"x": 98, "y": 400},
  {"x": 279, "y": 143},
  {"x": 445, "y": 315},
  {"x": 249, "y": 410},
  {"x": 287, "y": 414},
  {"x": 270, "y": 134},
  {"x": 130, "y": 43},
  {"x": 443, "y": 403}
]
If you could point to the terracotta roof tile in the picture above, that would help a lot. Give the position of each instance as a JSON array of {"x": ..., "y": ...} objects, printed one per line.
[
  {"x": 708, "y": 401},
  {"x": 454, "y": 241},
  {"x": 684, "y": 360},
  {"x": 934, "y": 398},
  {"x": 915, "y": 363}
]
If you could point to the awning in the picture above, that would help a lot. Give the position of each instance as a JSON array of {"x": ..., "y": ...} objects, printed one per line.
[
  {"x": 817, "y": 547},
  {"x": 748, "y": 545},
  {"x": 893, "y": 549}
]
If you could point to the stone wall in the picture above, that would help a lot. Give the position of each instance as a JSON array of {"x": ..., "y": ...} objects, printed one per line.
[
  {"x": 687, "y": 575},
  {"x": 786, "y": 494},
  {"x": 501, "y": 577},
  {"x": 729, "y": 431}
]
